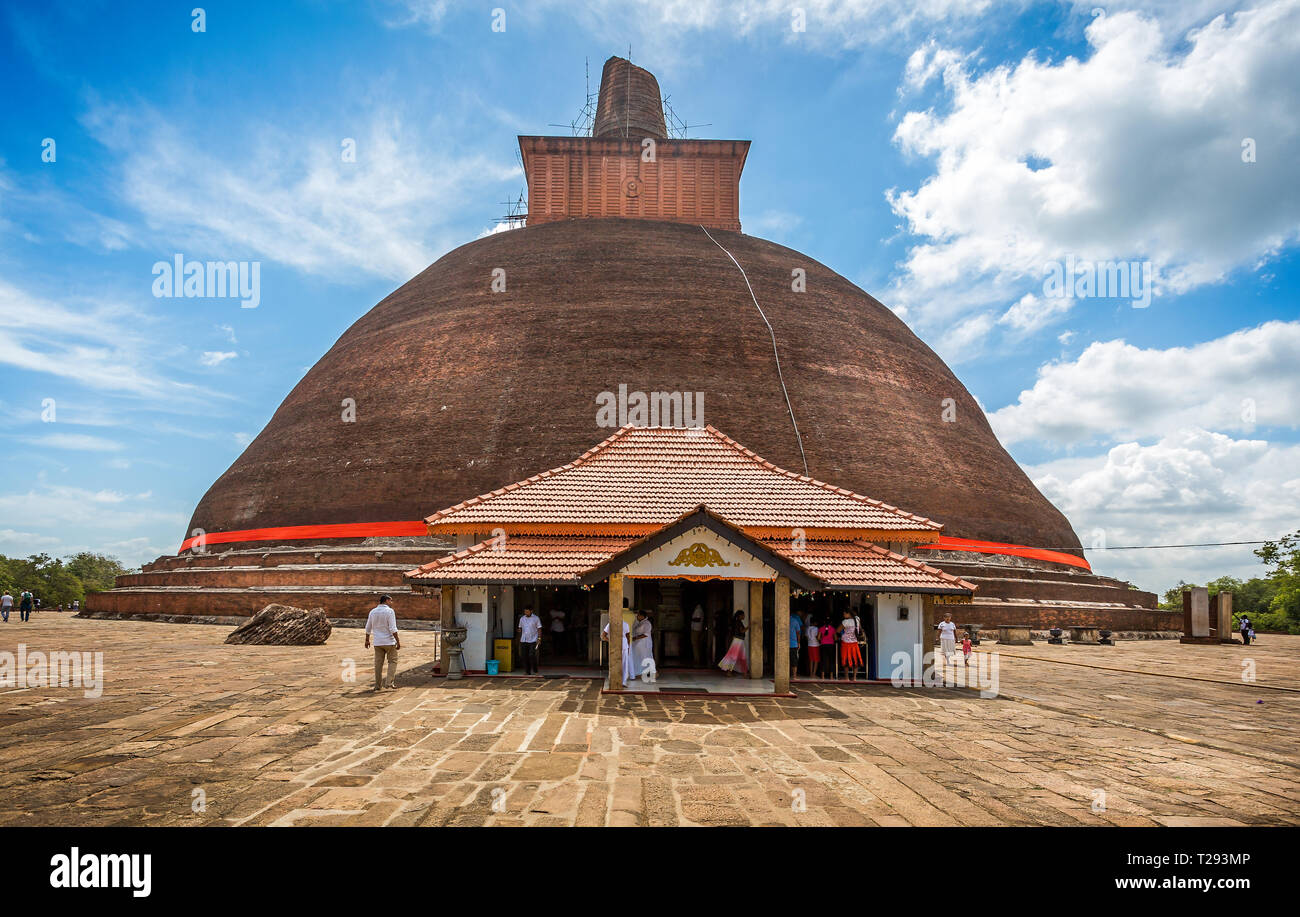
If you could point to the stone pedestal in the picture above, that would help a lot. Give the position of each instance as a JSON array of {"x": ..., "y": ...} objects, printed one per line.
[
  {"x": 1085, "y": 635},
  {"x": 1224, "y": 608},
  {"x": 1014, "y": 635},
  {"x": 1196, "y": 616},
  {"x": 452, "y": 638}
]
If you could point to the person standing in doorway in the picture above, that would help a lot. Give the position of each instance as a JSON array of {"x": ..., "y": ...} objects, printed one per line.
[
  {"x": 381, "y": 625},
  {"x": 530, "y": 632},
  {"x": 629, "y": 675},
  {"x": 796, "y": 631},
  {"x": 697, "y": 636},
  {"x": 826, "y": 637},
  {"x": 814, "y": 645},
  {"x": 6, "y": 605},
  {"x": 25, "y": 606},
  {"x": 850, "y": 651},
  {"x": 559, "y": 639},
  {"x": 947, "y": 637},
  {"x": 737, "y": 658},
  {"x": 643, "y": 647}
]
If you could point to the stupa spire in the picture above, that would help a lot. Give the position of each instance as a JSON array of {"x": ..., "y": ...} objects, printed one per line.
[{"x": 629, "y": 104}]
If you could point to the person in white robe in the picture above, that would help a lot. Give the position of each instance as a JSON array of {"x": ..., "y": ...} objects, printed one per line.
[
  {"x": 629, "y": 673},
  {"x": 643, "y": 647}
]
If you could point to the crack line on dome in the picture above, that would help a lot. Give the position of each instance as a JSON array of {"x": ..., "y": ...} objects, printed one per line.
[{"x": 779, "y": 374}]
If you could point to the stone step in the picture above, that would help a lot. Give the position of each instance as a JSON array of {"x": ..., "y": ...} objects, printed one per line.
[
  {"x": 338, "y": 601},
  {"x": 374, "y": 575}
]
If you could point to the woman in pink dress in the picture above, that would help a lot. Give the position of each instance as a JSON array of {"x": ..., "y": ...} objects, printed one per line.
[{"x": 736, "y": 660}]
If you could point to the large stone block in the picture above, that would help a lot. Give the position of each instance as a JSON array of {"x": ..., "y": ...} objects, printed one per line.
[{"x": 283, "y": 625}]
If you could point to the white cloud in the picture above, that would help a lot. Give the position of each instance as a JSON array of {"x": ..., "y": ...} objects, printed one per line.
[
  {"x": 657, "y": 27},
  {"x": 217, "y": 357},
  {"x": 1132, "y": 153},
  {"x": 292, "y": 199},
  {"x": 79, "y": 442},
  {"x": 20, "y": 544},
  {"x": 1191, "y": 487},
  {"x": 962, "y": 338},
  {"x": 1115, "y": 391},
  {"x": 773, "y": 223},
  {"x": 99, "y": 344},
  {"x": 1032, "y": 312},
  {"x": 928, "y": 61}
]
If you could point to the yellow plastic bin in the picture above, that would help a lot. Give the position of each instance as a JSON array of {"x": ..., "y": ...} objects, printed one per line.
[{"x": 504, "y": 653}]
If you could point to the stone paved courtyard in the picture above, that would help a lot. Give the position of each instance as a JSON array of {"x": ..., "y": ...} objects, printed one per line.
[{"x": 1143, "y": 733}]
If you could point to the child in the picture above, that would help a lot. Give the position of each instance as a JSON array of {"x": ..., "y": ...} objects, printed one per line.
[
  {"x": 827, "y": 637},
  {"x": 965, "y": 647},
  {"x": 814, "y": 647}
]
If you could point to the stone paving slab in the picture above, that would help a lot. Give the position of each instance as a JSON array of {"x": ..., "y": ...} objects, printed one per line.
[{"x": 189, "y": 731}]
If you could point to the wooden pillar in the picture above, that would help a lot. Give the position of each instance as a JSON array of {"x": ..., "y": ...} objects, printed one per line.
[
  {"x": 447, "y": 616},
  {"x": 781, "y": 652},
  {"x": 929, "y": 618},
  {"x": 616, "y": 632},
  {"x": 755, "y": 630}
]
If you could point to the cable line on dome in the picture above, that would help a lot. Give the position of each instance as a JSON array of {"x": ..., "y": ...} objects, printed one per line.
[{"x": 780, "y": 375}]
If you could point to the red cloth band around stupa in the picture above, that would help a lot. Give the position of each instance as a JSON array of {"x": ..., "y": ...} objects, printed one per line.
[
  {"x": 996, "y": 547},
  {"x": 401, "y": 529}
]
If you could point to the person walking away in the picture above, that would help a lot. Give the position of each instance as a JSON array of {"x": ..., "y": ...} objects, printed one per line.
[
  {"x": 629, "y": 675},
  {"x": 697, "y": 636},
  {"x": 6, "y": 605},
  {"x": 796, "y": 629},
  {"x": 1246, "y": 632},
  {"x": 530, "y": 632},
  {"x": 814, "y": 645},
  {"x": 850, "y": 650},
  {"x": 381, "y": 624},
  {"x": 25, "y": 606},
  {"x": 737, "y": 657},
  {"x": 826, "y": 637},
  {"x": 643, "y": 646},
  {"x": 947, "y": 637}
]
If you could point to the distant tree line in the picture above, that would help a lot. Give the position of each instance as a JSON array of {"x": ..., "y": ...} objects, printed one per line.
[
  {"x": 1272, "y": 602},
  {"x": 59, "y": 581}
]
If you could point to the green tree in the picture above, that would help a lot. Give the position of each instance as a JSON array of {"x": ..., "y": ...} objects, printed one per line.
[
  {"x": 47, "y": 579},
  {"x": 1173, "y": 598},
  {"x": 97, "y": 572},
  {"x": 1283, "y": 556}
]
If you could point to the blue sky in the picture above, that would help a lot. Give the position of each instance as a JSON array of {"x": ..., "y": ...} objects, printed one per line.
[{"x": 939, "y": 159}]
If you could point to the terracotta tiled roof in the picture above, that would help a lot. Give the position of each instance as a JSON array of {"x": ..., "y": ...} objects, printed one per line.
[
  {"x": 522, "y": 559},
  {"x": 842, "y": 564},
  {"x": 644, "y": 477},
  {"x": 556, "y": 560}
]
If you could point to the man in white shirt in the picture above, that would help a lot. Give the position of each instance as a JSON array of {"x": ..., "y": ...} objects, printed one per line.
[
  {"x": 6, "y": 605},
  {"x": 381, "y": 624},
  {"x": 530, "y": 631}
]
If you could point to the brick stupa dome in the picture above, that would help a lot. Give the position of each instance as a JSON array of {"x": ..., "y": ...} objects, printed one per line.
[
  {"x": 617, "y": 281},
  {"x": 460, "y": 390}
]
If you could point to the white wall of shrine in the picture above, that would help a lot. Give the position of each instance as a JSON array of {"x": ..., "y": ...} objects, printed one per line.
[{"x": 895, "y": 633}]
